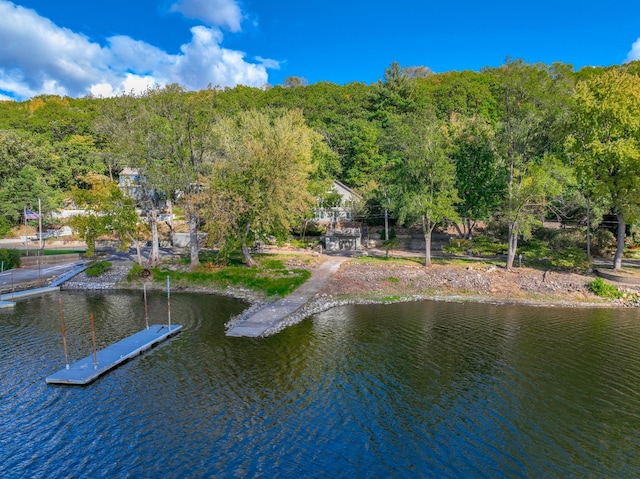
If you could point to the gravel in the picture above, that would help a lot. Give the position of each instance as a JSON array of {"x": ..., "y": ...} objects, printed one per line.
[{"x": 107, "y": 280}]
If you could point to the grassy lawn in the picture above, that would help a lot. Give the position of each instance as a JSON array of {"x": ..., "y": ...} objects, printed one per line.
[
  {"x": 271, "y": 276},
  {"x": 51, "y": 252}
]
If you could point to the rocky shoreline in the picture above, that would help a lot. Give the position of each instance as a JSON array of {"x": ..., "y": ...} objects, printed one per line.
[
  {"x": 109, "y": 279},
  {"x": 475, "y": 282},
  {"x": 362, "y": 282}
]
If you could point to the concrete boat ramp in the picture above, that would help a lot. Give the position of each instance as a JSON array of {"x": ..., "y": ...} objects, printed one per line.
[
  {"x": 270, "y": 318},
  {"x": 7, "y": 299}
]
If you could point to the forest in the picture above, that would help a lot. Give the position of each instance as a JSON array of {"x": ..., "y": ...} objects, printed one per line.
[{"x": 493, "y": 152}]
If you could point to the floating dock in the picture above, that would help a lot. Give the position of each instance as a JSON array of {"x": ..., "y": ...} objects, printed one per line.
[{"x": 88, "y": 369}]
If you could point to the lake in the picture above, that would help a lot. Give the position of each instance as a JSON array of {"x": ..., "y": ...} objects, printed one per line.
[{"x": 420, "y": 389}]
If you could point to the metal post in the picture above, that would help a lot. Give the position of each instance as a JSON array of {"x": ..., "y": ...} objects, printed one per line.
[
  {"x": 64, "y": 334},
  {"x": 169, "y": 300},
  {"x": 40, "y": 222},
  {"x": 93, "y": 339},
  {"x": 26, "y": 235},
  {"x": 146, "y": 311}
]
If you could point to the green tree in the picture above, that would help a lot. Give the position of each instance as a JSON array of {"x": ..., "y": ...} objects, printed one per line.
[
  {"x": 531, "y": 127},
  {"x": 422, "y": 184},
  {"x": 17, "y": 150},
  {"x": 259, "y": 184},
  {"x": 73, "y": 158},
  {"x": 465, "y": 93},
  {"x": 107, "y": 211},
  {"x": 185, "y": 144},
  {"x": 22, "y": 191},
  {"x": 137, "y": 138},
  {"x": 396, "y": 94},
  {"x": 605, "y": 144},
  {"x": 480, "y": 180}
]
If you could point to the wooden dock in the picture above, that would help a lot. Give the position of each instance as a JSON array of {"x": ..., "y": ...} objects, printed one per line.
[{"x": 86, "y": 370}]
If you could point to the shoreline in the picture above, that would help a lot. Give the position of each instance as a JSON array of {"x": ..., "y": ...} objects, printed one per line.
[{"x": 362, "y": 281}]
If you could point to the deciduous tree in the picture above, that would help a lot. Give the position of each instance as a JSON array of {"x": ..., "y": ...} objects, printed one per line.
[
  {"x": 422, "y": 184},
  {"x": 259, "y": 184},
  {"x": 480, "y": 180},
  {"x": 534, "y": 109},
  {"x": 107, "y": 211},
  {"x": 605, "y": 144}
]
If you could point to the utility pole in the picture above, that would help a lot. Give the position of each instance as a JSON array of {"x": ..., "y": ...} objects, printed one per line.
[{"x": 386, "y": 217}]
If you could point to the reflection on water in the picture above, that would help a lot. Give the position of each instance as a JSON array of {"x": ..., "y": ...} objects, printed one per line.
[{"x": 407, "y": 390}]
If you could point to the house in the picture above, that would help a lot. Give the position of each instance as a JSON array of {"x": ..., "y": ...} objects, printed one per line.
[
  {"x": 129, "y": 183},
  {"x": 338, "y": 205},
  {"x": 337, "y": 210}
]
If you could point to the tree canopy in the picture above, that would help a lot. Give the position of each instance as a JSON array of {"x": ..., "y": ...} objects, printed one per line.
[{"x": 511, "y": 138}]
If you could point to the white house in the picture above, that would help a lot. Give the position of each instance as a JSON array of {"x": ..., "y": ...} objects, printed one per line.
[
  {"x": 336, "y": 211},
  {"x": 339, "y": 207},
  {"x": 129, "y": 183}
]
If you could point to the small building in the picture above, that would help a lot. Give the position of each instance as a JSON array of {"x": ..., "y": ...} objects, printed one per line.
[{"x": 343, "y": 238}]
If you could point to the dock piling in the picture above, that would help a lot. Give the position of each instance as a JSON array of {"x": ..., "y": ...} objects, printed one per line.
[
  {"x": 64, "y": 334},
  {"x": 169, "y": 301},
  {"x": 146, "y": 310},
  {"x": 93, "y": 340}
]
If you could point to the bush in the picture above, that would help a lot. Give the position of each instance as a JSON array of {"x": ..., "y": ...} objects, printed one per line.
[
  {"x": 5, "y": 226},
  {"x": 603, "y": 242},
  {"x": 271, "y": 277},
  {"x": 570, "y": 258},
  {"x": 487, "y": 246},
  {"x": 457, "y": 246},
  {"x": 536, "y": 249},
  {"x": 604, "y": 290},
  {"x": 10, "y": 257},
  {"x": 98, "y": 268},
  {"x": 135, "y": 272}
]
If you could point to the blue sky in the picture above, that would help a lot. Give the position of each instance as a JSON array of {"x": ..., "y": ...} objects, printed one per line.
[{"x": 81, "y": 47}]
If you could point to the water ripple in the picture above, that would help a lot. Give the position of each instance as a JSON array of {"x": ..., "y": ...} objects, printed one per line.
[{"x": 407, "y": 390}]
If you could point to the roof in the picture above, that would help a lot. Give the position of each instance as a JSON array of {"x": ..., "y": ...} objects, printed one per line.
[{"x": 344, "y": 191}]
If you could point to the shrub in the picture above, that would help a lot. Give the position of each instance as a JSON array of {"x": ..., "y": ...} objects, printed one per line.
[
  {"x": 570, "y": 258},
  {"x": 271, "y": 277},
  {"x": 10, "y": 257},
  {"x": 536, "y": 249},
  {"x": 5, "y": 226},
  {"x": 457, "y": 246},
  {"x": 135, "y": 272},
  {"x": 487, "y": 246},
  {"x": 604, "y": 290},
  {"x": 98, "y": 268},
  {"x": 603, "y": 242}
]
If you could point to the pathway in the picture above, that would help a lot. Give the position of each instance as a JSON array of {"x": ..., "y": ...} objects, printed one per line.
[{"x": 272, "y": 315}]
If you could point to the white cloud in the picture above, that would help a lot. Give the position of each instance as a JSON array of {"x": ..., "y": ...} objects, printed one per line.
[
  {"x": 213, "y": 12},
  {"x": 634, "y": 54},
  {"x": 269, "y": 63},
  {"x": 37, "y": 56}
]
